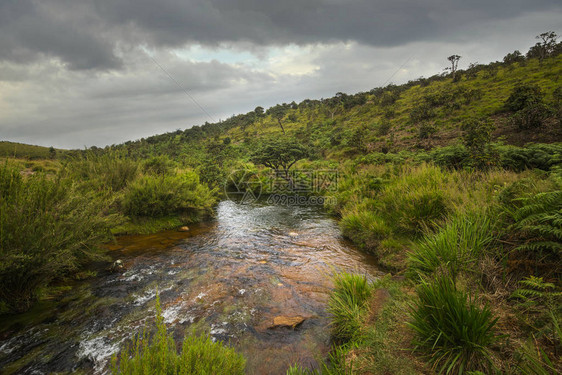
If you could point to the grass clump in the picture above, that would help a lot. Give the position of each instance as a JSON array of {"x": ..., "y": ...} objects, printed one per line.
[
  {"x": 347, "y": 304},
  {"x": 451, "y": 329},
  {"x": 454, "y": 247},
  {"x": 199, "y": 355}
]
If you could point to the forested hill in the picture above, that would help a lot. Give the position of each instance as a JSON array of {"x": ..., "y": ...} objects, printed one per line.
[{"x": 421, "y": 114}]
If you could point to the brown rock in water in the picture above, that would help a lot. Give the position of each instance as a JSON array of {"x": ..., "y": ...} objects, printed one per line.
[
  {"x": 117, "y": 266},
  {"x": 287, "y": 321},
  {"x": 185, "y": 228}
]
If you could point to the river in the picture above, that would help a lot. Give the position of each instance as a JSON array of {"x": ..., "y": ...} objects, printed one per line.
[{"x": 230, "y": 278}]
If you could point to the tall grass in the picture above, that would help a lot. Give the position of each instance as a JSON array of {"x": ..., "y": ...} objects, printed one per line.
[
  {"x": 199, "y": 355},
  {"x": 337, "y": 365},
  {"x": 416, "y": 199},
  {"x": 162, "y": 195},
  {"x": 348, "y": 304},
  {"x": 454, "y": 247},
  {"x": 47, "y": 229},
  {"x": 108, "y": 172},
  {"x": 451, "y": 329}
]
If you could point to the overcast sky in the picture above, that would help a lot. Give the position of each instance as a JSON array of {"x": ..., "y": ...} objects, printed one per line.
[{"x": 76, "y": 73}]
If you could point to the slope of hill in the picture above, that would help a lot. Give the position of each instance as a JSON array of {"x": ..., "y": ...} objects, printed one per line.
[
  {"x": 22, "y": 150},
  {"x": 420, "y": 114}
]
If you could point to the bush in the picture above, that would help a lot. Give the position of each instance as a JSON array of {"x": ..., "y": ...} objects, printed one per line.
[
  {"x": 198, "y": 356},
  {"x": 426, "y": 130},
  {"x": 47, "y": 229},
  {"x": 530, "y": 117},
  {"x": 421, "y": 112},
  {"x": 451, "y": 329},
  {"x": 540, "y": 156},
  {"x": 477, "y": 134},
  {"x": 164, "y": 195},
  {"x": 348, "y": 305},
  {"x": 453, "y": 248},
  {"x": 455, "y": 156},
  {"x": 522, "y": 96},
  {"x": 526, "y": 101},
  {"x": 159, "y": 165}
]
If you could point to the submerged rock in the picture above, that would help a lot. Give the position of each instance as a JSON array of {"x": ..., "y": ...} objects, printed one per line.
[
  {"x": 117, "y": 266},
  {"x": 287, "y": 321}
]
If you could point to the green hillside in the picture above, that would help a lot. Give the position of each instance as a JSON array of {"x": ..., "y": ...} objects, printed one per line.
[
  {"x": 25, "y": 151},
  {"x": 421, "y": 114}
]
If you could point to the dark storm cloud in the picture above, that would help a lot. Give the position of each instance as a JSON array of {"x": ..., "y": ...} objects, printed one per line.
[{"x": 93, "y": 34}]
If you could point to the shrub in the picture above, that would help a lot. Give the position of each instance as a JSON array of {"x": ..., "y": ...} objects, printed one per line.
[
  {"x": 523, "y": 95},
  {"x": 477, "y": 134},
  {"x": 426, "y": 130},
  {"x": 451, "y": 329},
  {"x": 47, "y": 229},
  {"x": 157, "y": 196},
  {"x": 348, "y": 304},
  {"x": 526, "y": 101},
  {"x": 455, "y": 156},
  {"x": 199, "y": 355},
  {"x": 452, "y": 248},
  {"x": 158, "y": 165},
  {"x": 383, "y": 128},
  {"x": 531, "y": 116},
  {"x": 421, "y": 112},
  {"x": 541, "y": 156}
]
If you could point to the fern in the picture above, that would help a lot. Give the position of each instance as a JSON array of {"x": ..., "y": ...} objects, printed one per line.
[
  {"x": 539, "y": 223},
  {"x": 536, "y": 291}
]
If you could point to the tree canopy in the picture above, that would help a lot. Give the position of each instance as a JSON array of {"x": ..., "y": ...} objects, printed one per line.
[{"x": 279, "y": 154}]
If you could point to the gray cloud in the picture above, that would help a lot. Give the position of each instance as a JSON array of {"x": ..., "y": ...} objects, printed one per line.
[
  {"x": 88, "y": 35},
  {"x": 77, "y": 73}
]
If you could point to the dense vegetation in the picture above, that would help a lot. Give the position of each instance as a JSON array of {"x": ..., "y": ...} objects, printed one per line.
[
  {"x": 453, "y": 182},
  {"x": 52, "y": 222}
]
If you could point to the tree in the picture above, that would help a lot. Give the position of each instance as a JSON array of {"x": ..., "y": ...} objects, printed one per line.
[
  {"x": 545, "y": 47},
  {"x": 477, "y": 135},
  {"x": 515, "y": 56},
  {"x": 280, "y": 155},
  {"x": 526, "y": 101},
  {"x": 258, "y": 111},
  {"x": 454, "y": 59},
  {"x": 278, "y": 112},
  {"x": 52, "y": 152}
]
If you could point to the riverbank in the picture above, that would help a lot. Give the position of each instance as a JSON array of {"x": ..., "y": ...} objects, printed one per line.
[{"x": 479, "y": 241}]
